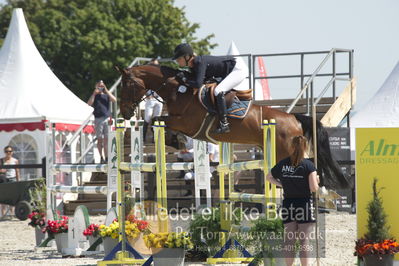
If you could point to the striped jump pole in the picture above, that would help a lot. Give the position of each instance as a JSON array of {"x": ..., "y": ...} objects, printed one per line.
[
  {"x": 79, "y": 189},
  {"x": 120, "y": 128},
  {"x": 69, "y": 168},
  {"x": 151, "y": 167}
]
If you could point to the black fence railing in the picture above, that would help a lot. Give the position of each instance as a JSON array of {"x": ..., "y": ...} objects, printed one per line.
[{"x": 27, "y": 166}]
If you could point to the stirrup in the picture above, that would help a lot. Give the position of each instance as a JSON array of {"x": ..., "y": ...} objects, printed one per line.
[{"x": 222, "y": 128}]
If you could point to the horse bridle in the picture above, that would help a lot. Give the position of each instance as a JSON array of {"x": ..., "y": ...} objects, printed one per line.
[{"x": 136, "y": 83}]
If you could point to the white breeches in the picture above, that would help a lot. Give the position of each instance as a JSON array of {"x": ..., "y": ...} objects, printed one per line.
[
  {"x": 234, "y": 79},
  {"x": 153, "y": 108}
]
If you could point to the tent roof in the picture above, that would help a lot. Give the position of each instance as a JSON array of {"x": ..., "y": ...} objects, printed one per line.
[
  {"x": 382, "y": 110},
  {"x": 29, "y": 90}
]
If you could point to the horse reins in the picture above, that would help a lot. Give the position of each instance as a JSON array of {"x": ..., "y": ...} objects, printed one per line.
[{"x": 136, "y": 83}]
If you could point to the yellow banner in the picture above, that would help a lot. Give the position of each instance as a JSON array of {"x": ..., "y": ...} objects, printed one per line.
[{"x": 377, "y": 155}]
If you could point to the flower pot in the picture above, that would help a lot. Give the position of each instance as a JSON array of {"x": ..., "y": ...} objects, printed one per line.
[
  {"x": 169, "y": 256},
  {"x": 61, "y": 239},
  {"x": 40, "y": 236},
  {"x": 109, "y": 243},
  {"x": 378, "y": 260},
  {"x": 132, "y": 241},
  {"x": 93, "y": 239}
]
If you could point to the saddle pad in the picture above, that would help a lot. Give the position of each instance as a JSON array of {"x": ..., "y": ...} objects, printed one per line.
[{"x": 237, "y": 110}]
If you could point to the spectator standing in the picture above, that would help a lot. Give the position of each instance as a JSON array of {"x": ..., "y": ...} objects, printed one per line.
[
  {"x": 153, "y": 108},
  {"x": 100, "y": 100},
  {"x": 10, "y": 175},
  {"x": 213, "y": 151},
  {"x": 298, "y": 177},
  {"x": 153, "y": 105}
]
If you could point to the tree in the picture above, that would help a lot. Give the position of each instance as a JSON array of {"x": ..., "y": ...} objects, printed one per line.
[
  {"x": 82, "y": 40},
  {"x": 377, "y": 224}
]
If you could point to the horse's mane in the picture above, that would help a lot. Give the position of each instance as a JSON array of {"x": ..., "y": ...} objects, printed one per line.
[
  {"x": 168, "y": 71},
  {"x": 165, "y": 70}
]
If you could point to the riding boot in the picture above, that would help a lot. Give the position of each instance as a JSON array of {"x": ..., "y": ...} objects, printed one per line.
[
  {"x": 145, "y": 126},
  {"x": 222, "y": 112}
]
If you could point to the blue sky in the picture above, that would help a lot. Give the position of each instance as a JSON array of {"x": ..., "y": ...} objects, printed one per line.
[{"x": 263, "y": 26}]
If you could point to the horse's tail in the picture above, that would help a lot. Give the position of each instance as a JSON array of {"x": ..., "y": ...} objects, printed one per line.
[{"x": 332, "y": 176}]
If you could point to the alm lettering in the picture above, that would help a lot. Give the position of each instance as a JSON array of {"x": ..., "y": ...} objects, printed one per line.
[{"x": 380, "y": 148}]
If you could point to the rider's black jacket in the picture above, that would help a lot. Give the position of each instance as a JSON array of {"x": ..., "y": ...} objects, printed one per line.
[{"x": 208, "y": 67}]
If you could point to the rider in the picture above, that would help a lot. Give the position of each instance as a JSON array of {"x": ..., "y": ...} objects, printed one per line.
[{"x": 206, "y": 67}]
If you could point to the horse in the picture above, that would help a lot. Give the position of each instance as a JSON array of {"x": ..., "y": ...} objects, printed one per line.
[{"x": 186, "y": 115}]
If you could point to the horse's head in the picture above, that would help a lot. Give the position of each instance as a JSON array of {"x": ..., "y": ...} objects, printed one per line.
[
  {"x": 132, "y": 92},
  {"x": 136, "y": 81}
]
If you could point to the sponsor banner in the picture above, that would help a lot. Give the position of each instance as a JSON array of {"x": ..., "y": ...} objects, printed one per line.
[
  {"x": 377, "y": 156},
  {"x": 339, "y": 139}
]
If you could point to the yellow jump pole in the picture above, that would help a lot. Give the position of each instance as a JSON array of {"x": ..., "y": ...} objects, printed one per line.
[
  {"x": 230, "y": 253},
  {"x": 230, "y": 176},
  {"x": 225, "y": 157},
  {"x": 120, "y": 127},
  {"x": 222, "y": 195},
  {"x": 161, "y": 175},
  {"x": 265, "y": 126},
  {"x": 272, "y": 151}
]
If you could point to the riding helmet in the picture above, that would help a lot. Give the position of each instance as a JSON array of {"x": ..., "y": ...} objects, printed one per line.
[{"x": 182, "y": 50}]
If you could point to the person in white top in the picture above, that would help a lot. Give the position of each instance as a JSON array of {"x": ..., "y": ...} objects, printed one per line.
[
  {"x": 153, "y": 108},
  {"x": 213, "y": 150},
  {"x": 10, "y": 175},
  {"x": 153, "y": 105}
]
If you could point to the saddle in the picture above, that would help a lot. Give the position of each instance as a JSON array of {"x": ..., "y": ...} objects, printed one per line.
[
  {"x": 244, "y": 95},
  {"x": 237, "y": 102}
]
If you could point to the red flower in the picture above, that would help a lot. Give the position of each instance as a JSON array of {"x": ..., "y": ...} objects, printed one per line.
[
  {"x": 37, "y": 219},
  {"x": 141, "y": 225},
  {"x": 57, "y": 226},
  {"x": 366, "y": 247},
  {"x": 91, "y": 230}
]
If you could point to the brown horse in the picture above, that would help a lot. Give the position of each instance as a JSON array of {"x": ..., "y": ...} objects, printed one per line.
[{"x": 186, "y": 114}]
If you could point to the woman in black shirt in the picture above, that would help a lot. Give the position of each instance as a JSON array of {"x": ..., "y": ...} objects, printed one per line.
[
  {"x": 298, "y": 178},
  {"x": 205, "y": 67}
]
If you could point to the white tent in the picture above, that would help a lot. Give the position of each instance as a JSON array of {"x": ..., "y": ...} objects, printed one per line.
[
  {"x": 29, "y": 90},
  {"x": 31, "y": 97},
  {"x": 382, "y": 110}
]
